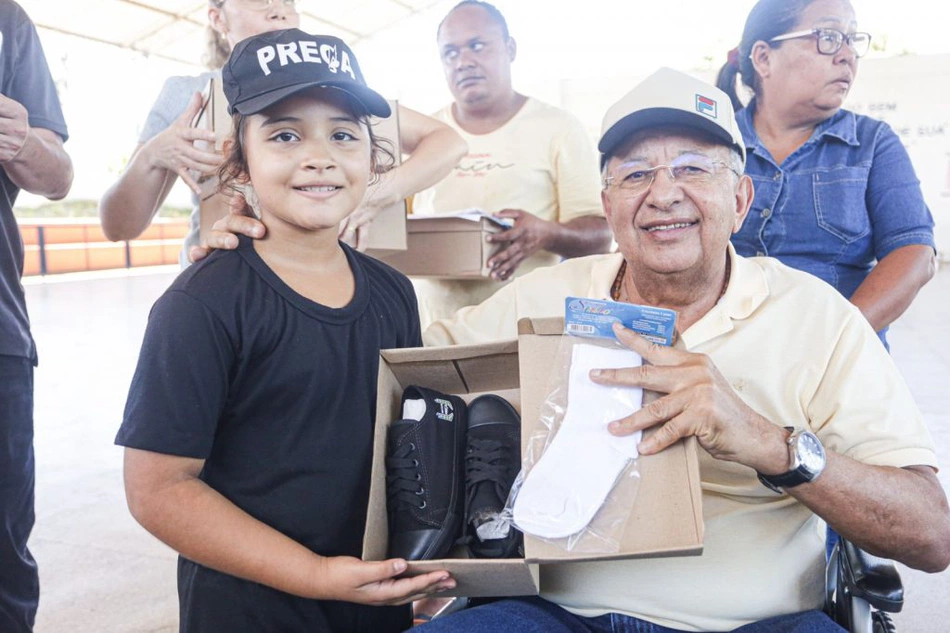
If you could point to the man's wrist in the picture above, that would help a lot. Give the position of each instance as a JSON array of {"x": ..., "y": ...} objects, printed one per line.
[
  {"x": 557, "y": 238},
  {"x": 806, "y": 458},
  {"x": 774, "y": 459},
  {"x": 16, "y": 158}
]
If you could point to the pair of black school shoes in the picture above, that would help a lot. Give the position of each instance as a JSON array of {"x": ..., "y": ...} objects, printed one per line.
[{"x": 449, "y": 469}]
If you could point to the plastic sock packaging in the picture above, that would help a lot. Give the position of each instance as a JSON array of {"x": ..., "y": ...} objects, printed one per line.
[{"x": 563, "y": 491}]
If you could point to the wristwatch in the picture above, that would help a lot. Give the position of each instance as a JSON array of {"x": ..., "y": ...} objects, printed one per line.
[{"x": 806, "y": 461}]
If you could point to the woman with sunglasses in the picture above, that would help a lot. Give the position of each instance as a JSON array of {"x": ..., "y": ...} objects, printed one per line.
[
  {"x": 835, "y": 192},
  {"x": 170, "y": 148}
]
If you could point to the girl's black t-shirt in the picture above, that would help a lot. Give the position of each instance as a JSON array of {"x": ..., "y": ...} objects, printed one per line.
[{"x": 278, "y": 395}]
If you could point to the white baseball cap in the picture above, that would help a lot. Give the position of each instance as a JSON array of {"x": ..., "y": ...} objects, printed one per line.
[{"x": 669, "y": 97}]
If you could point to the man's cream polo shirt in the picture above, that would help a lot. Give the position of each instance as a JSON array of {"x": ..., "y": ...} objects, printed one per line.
[{"x": 797, "y": 353}]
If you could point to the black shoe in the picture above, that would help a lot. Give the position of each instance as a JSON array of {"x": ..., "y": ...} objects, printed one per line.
[
  {"x": 424, "y": 475},
  {"x": 492, "y": 461}
]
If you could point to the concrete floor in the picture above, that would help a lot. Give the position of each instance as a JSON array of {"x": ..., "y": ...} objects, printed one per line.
[{"x": 101, "y": 573}]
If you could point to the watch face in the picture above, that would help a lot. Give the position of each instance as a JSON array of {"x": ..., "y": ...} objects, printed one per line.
[{"x": 811, "y": 452}]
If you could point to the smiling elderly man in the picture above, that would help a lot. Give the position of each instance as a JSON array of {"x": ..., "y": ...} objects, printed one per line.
[{"x": 772, "y": 369}]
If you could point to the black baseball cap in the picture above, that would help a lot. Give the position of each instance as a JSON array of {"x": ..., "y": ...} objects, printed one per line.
[{"x": 272, "y": 66}]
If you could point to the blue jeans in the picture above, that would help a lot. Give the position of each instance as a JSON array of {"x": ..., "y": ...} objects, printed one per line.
[
  {"x": 536, "y": 615},
  {"x": 19, "y": 581}
]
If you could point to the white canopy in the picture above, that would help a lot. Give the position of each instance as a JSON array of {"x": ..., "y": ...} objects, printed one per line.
[{"x": 175, "y": 29}]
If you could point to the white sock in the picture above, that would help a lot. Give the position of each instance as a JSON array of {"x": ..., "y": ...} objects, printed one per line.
[{"x": 570, "y": 482}]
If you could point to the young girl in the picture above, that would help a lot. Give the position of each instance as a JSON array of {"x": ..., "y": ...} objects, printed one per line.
[{"x": 249, "y": 424}]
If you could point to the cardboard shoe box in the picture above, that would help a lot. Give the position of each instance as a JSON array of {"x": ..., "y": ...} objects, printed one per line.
[
  {"x": 447, "y": 246},
  {"x": 212, "y": 204},
  {"x": 667, "y": 517},
  {"x": 387, "y": 234}
]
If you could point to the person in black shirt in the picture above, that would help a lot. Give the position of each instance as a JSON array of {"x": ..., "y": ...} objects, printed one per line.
[
  {"x": 32, "y": 158},
  {"x": 249, "y": 423}
]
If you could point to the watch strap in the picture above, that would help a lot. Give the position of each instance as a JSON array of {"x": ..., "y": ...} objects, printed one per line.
[{"x": 789, "y": 478}]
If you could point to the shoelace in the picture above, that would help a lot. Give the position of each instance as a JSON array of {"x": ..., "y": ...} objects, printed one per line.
[
  {"x": 403, "y": 479},
  {"x": 485, "y": 461}
]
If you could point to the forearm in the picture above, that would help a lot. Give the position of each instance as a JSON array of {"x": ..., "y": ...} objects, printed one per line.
[
  {"x": 434, "y": 149},
  {"x": 128, "y": 206},
  {"x": 42, "y": 166},
  {"x": 432, "y": 159},
  {"x": 893, "y": 283},
  {"x": 208, "y": 529},
  {"x": 582, "y": 236},
  {"x": 897, "y": 513}
]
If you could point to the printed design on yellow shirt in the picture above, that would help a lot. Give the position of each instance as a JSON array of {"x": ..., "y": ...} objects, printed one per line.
[{"x": 478, "y": 166}]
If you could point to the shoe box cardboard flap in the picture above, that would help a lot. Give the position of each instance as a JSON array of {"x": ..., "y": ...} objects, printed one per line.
[
  {"x": 667, "y": 513},
  {"x": 446, "y": 248},
  {"x": 213, "y": 116},
  {"x": 388, "y": 232}
]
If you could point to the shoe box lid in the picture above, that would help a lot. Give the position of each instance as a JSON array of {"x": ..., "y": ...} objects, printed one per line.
[{"x": 667, "y": 513}]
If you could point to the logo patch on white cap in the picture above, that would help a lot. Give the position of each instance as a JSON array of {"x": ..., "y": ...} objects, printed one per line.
[{"x": 707, "y": 106}]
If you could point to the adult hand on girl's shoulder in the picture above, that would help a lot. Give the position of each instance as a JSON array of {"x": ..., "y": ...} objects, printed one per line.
[
  {"x": 375, "y": 583},
  {"x": 240, "y": 220}
]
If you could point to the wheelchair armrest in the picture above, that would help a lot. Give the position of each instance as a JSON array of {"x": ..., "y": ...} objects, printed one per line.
[{"x": 871, "y": 578}]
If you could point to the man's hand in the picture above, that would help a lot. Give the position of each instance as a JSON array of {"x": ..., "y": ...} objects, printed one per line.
[
  {"x": 528, "y": 235},
  {"x": 375, "y": 583},
  {"x": 698, "y": 401},
  {"x": 240, "y": 220},
  {"x": 177, "y": 147},
  {"x": 14, "y": 128}
]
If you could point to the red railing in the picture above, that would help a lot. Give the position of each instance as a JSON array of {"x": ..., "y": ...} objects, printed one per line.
[{"x": 72, "y": 245}]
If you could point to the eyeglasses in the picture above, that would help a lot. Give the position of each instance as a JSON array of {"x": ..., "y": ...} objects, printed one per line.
[
  {"x": 830, "y": 41},
  {"x": 264, "y": 5},
  {"x": 690, "y": 169}
]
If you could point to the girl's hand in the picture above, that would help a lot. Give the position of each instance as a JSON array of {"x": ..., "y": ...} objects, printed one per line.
[
  {"x": 374, "y": 583},
  {"x": 179, "y": 147}
]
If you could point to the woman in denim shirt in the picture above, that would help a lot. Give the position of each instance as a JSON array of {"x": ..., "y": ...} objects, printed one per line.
[{"x": 835, "y": 192}]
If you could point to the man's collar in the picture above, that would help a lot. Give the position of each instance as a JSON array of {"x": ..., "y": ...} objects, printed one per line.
[
  {"x": 746, "y": 291},
  {"x": 602, "y": 276}
]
